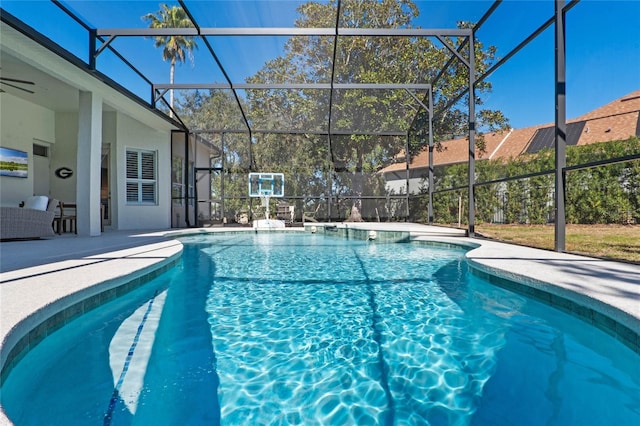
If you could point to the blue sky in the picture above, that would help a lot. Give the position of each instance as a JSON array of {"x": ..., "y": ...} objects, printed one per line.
[{"x": 603, "y": 46}]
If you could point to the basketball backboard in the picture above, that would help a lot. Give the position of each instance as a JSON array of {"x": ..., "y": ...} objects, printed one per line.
[{"x": 266, "y": 185}]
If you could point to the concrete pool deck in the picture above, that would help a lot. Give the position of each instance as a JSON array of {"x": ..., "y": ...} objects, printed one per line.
[{"x": 39, "y": 279}]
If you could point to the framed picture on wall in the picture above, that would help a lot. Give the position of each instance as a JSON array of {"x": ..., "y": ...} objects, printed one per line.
[{"x": 13, "y": 163}]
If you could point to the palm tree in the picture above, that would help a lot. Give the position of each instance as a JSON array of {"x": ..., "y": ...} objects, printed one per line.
[{"x": 174, "y": 48}]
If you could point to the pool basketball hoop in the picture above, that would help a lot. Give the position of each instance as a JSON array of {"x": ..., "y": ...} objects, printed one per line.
[{"x": 265, "y": 186}]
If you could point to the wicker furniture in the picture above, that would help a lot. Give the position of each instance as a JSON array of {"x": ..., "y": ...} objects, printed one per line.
[{"x": 22, "y": 223}]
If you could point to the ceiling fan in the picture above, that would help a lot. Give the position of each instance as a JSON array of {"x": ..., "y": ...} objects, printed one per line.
[{"x": 14, "y": 82}]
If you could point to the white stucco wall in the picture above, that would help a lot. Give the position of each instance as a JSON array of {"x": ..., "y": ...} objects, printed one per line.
[
  {"x": 203, "y": 186},
  {"x": 20, "y": 123},
  {"x": 133, "y": 134},
  {"x": 398, "y": 186},
  {"x": 109, "y": 127},
  {"x": 133, "y": 125},
  {"x": 199, "y": 156},
  {"x": 109, "y": 139},
  {"x": 178, "y": 209},
  {"x": 65, "y": 155}
]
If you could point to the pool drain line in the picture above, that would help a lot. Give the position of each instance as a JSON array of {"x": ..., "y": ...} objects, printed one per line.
[
  {"x": 116, "y": 390},
  {"x": 377, "y": 337}
]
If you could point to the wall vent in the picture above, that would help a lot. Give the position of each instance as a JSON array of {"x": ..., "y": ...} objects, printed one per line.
[{"x": 40, "y": 150}]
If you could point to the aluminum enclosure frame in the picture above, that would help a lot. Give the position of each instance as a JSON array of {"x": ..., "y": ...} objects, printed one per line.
[
  {"x": 160, "y": 89},
  {"x": 100, "y": 39},
  {"x": 469, "y": 38}
]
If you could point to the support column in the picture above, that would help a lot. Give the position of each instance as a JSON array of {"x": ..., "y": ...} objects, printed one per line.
[
  {"x": 561, "y": 128},
  {"x": 89, "y": 164},
  {"x": 407, "y": 162},
  {"x": 222, "y": 175},
  {"x": 472, "y": 136},
  {"x": 330, "y": 180},
  {"x": 431, "y": 167},
  {"x": 185, "y": 177}
]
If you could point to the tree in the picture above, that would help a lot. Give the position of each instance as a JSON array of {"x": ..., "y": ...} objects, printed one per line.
[
  {"x": 174, "y": 48},
  {"x": 204, "y": 110},
  {"x": 595, "y": 194},
  {"x": 347, "y": 166},
  {"x": 357, "y": 158}
]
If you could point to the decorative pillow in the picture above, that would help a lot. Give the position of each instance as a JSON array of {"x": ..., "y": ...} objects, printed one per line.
[{"x": 37, "y": 202}]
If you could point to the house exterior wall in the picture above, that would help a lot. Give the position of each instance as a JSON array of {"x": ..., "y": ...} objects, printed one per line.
[
  {"x": 115, "y": 121},
  {"x": 135, "y": 135},
  {"x": 203, "y": 185},
  {"x": 199, "y": 156},
  {"x": 396, "y": 181},
  {"x": 20, "y": 123},
  {"x": 65, "y": 155},
  {"x": 398, "y": 186},
  {"x": 178, "y": 207},
  {"x": 109, "y": 145}
]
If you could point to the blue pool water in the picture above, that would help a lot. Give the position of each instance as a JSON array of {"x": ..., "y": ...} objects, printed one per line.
[{"x": 306, "y": 329}]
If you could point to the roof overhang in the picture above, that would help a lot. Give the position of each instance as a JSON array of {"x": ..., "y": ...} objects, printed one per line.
[{"x": 58, "y": 78}]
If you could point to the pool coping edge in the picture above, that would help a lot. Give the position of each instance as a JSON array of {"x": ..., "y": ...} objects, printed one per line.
[{"x": 27, "y": 332}]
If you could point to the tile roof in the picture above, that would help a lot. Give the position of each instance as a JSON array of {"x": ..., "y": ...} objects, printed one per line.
[{"x": 616, "y": 120}]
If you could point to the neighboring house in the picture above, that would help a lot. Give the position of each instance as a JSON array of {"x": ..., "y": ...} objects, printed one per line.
[{"x": 616, "y": 120}]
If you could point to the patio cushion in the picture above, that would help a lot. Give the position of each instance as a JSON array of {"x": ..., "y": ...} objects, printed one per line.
[{"x": 37, "y": 202}]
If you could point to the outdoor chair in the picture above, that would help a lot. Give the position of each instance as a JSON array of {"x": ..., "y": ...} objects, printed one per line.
[
  {"x": 67, "y": 214},
  {"x": 285, "y": 212},
  {"x": 311, "y": 215}
]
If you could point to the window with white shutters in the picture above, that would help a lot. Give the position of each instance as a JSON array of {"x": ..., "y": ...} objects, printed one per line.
[{"x": 141, "y": 177}]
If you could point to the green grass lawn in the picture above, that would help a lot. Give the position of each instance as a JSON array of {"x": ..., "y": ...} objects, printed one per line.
[{"x": 620, "y": 242}]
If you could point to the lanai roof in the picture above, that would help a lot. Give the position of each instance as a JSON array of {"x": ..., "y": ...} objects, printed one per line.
[{"x": 234, "y": 37}]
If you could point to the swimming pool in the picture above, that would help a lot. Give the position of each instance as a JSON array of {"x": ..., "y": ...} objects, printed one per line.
[{"x": 309, "y": 329}]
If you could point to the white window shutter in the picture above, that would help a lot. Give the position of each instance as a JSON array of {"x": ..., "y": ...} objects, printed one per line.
[
  {"x": 132, "y": 192},
  {"x": 132, "y": 165},
  {"x": 141, "y": 177},
  {"x": 148, "y": 165}
]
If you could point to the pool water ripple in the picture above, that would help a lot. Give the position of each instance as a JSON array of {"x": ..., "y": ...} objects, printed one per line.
[
  {"x": 351, "y": 327},
  {"x": 275, "y": 329}
]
